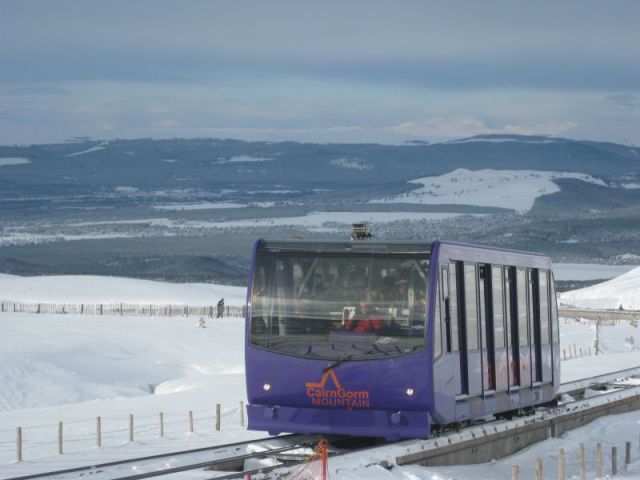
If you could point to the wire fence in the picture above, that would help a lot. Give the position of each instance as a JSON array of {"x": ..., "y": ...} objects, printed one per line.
[
  {"x": 33, "y": 441},
  {"x": 123, "y": 309}
]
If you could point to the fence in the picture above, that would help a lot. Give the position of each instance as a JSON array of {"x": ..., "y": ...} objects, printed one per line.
[
  {"x": 78, "y": 435},
  {"x": 123, "y": 309},
  {"x": 600, "y": 466}
]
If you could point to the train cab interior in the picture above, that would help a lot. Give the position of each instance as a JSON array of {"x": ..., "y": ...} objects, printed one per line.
[{"x": 327, "y": 306}]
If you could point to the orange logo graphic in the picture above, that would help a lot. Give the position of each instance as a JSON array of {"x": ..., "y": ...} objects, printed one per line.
[{"x": 322, "y": 396}]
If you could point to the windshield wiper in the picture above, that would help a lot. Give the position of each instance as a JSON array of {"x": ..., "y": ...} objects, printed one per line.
[
  {"x": 347, "y": 358},
  {"x": 337, "y": 363}
]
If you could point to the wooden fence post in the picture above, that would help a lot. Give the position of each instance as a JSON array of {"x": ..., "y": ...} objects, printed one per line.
[
  {"x": 161, "y": 425},
  {"x": 190, "y": 421},
  {"x": 241, "y": 413},
  {"x": 627, "y": 455},
  {"x": 561, "y": 465},
  {"x": 583, "y": 474},
  {"x": 98, "y": 432},
  {"x": 60, "y": 439},
  {"x": 614, "y": 461},
  {"x": 515, "y": 472},
  {"x": 598, "y": 460},
  {"x": 130, "y": 428},
  {"x": 217, "y": 416},
  {"x": 19, "y": 443}
]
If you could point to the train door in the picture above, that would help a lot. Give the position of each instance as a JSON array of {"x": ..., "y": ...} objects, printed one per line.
[
  {"x": 534, "y": 326},
  {"x": 545, "y": 331},
  {"x": 457, "y": 327},
  {"x": 448, "y": 279},
  {"x": 497, "y": 299},
  {"x": 486, "y": 328},
  {"x": 511, "y": 313},
  {"x": 555, "y": 330},
  {"x": 523, "y": 327},
  {"x": 470, "y": 332}
]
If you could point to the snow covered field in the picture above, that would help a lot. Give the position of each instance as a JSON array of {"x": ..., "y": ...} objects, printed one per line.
[
  {"x": 73, "y": 369},
  {"x": 516, "y": 189}
]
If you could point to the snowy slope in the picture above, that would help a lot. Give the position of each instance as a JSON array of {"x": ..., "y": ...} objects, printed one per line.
[
  {"x": 623, "y": 290},
  {"x": 96, "y": 289},
  {"x": 515, "y": 189},
  {"x": 72, "y": 369}
]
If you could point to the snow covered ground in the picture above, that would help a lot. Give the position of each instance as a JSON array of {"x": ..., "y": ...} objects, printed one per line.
[
  {"x": 620, "y": 291},
  {"x": 515, "y": 189},
  {"x": 75, "y": 368}
]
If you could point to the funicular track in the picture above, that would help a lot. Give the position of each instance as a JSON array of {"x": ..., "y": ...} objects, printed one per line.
[
  {"x": 473, "y": 444},
  {"x": 228, "y": 457}
]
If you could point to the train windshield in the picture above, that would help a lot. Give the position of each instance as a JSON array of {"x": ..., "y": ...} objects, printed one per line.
[{"x": 332, "y": 306}]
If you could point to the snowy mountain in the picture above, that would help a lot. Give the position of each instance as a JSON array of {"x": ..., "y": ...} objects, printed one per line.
[{"x": 620, "y": 291}]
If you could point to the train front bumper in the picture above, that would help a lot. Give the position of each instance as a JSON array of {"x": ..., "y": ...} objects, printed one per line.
[{"x": 391, "y": 425}]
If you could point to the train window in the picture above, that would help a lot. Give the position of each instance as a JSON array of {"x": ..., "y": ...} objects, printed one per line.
[
  {"x": 437, "y": 330},
  {"x": 332, "y": 306},
  {"x": 521, "y": 287},
  {"x": 543, "y": 286},
  {"x": 497, "y": 304},
  {"x": 446, "y": 303},
  {"x": 471, "y": 306},
  {"x": 453, "y": 306},
  {"x": 484, "y": 310},
  {"x": 554, "y": 311}
]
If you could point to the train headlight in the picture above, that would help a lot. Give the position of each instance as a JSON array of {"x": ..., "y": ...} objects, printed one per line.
[
  {"x": 266, "y": 387},
  {"x": 409, "y": 392}
]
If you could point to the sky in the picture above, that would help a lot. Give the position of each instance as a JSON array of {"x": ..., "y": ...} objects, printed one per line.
[{"x": 381, "y": 71}]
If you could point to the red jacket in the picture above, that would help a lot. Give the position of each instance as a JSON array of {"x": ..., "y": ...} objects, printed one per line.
[{"x": 368, "y": 324}]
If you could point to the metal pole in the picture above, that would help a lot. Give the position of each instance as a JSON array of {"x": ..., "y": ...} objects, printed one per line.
[
  {"x": 598, "y": 460},
  {"x": 614, "y": 461},
  {"x": 538, "y": 469},
  {"x": 217, "y": 416},
  {"x": 561, "y": 465},
  {"x": 241, "y": 413},
  {"x": 583, "y": 474},
  {"x": 131, "y": 428},
  {"x": 190, "y": 421},
  {"x": 98, "y": 432},
  {"x": 161, "y": 425}
]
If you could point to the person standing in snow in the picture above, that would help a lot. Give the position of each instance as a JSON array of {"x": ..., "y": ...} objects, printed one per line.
[{"x": 220, "y": 310}]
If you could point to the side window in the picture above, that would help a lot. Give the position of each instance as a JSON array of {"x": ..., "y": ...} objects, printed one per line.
[
  {"x": 453, "y": 306},
  {"x": 437, "y": 330},
  {"x": 498, "y": 305},
  {"x": 521, "y": 287},
  {"x": 446, "y": 311},
  {"x": 543, "y": 284},
  {"x": 554, "y": 312},
  {"x": 471, "y": 306}
]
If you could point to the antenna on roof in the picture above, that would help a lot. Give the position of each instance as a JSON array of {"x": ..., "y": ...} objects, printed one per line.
[{"x": 360, "y": 232}]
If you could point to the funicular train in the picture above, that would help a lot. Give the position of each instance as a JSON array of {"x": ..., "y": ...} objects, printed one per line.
[{"x": 389, "y": 339}]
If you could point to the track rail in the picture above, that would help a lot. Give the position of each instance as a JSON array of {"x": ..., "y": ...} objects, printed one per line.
[{"x": 226, "y": 454}]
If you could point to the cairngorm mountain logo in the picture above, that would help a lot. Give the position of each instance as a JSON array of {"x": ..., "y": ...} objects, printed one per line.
[{"x": 322, "y": 395}]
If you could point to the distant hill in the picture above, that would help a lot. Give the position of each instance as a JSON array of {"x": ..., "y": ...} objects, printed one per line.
[
  {"x": 190, "y": 209},
  {"x": 200, "y": 163}
]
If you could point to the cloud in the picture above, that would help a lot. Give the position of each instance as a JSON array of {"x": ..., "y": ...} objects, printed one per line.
[
  {"x": 469, "y": 125},
  {"x": 624, "y": 100}
]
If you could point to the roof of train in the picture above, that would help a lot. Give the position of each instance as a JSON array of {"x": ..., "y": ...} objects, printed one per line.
[{"x": 374, "y": 246}]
